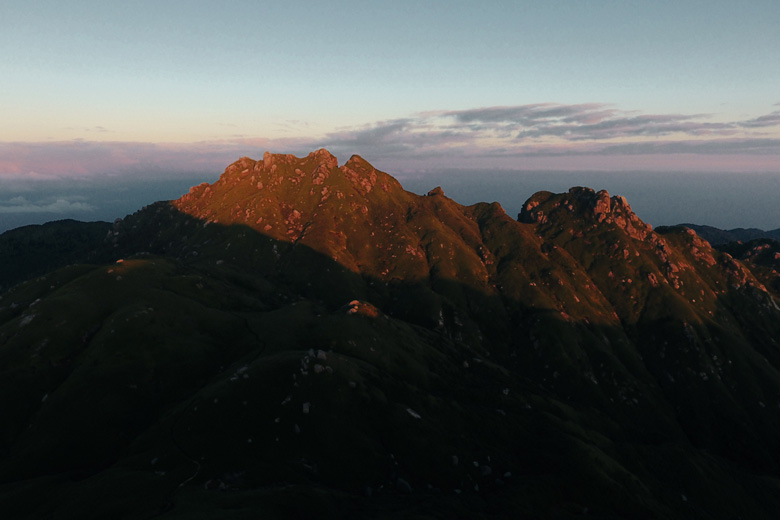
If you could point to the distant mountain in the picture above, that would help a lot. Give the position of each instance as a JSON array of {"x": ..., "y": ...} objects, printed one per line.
[
  {"x": 301, "y": 339},
  {"x": 33, "y": 250},
  {"x": 717, "y": 236}
]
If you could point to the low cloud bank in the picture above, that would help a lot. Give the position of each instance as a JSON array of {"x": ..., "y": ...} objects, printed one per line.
[
  {"x": 534, "y": 136},
  {"x": 21, "y": 204}
]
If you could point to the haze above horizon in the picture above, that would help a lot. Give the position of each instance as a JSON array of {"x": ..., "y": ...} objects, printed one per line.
[{"x": 110, "y": 92}]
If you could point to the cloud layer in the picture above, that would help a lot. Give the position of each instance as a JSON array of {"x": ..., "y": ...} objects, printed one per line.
[
  {"x": 553, "y": 130},
  {"x": 543, "y": 135},
  {"x": 60, "y": 205}
]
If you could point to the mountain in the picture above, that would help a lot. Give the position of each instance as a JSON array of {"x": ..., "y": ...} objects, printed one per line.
[
  {"x": 302, "y": 339},
  {"x": 34, "y": 250},
  {"x": 718, "y": 237},
  {"x": 762, "y": 256},
  {"x": 756, "y": 248}
]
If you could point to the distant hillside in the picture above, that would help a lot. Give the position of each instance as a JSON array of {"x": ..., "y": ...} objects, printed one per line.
[
  {"x": 717, "y": 236},
  {"x": 33, "y": 250}
]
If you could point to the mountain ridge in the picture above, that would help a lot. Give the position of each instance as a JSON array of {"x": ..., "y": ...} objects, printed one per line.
[
  {"x": 718, "y": 237},
  {"x": 314, "y": 340}
]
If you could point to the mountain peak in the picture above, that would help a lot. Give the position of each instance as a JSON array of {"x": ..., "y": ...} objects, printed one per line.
[
  {"x": 584, "y": 205},
  {"x": 240, "y": 165},
  {"x": 287, "y": 197},
  {"x": 325, "y": 157}
]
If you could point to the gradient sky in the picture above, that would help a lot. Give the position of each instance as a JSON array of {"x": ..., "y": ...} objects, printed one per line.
[{"x": 138, "y": 89}]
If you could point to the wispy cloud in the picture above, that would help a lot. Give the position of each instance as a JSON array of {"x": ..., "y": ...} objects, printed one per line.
[
  {"x": 90, "y": 129},
  {"x": 772, "y": 119},
  {"x": 555, "y": 130},
  {"x": 529, "y": 123}
]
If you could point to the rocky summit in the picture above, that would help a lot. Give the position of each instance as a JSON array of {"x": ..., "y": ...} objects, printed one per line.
[{"x": 301, "y": 339}]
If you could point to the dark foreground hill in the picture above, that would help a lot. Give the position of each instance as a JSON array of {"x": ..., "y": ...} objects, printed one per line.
[{"x": 307, "y": 340}]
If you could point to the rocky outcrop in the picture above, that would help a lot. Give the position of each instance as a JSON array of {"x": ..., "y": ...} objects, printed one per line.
[{"x": 587, "y": 204}]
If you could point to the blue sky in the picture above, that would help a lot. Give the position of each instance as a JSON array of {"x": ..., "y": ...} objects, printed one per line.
[{"x": 169, "y": 89}]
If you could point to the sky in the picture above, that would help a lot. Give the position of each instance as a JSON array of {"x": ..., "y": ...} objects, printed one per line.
[{"x": 106, "y": 105}]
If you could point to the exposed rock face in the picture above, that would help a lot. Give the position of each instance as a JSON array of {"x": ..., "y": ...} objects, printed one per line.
[
  {"x": 763, "y": 258},
  {"x": 289, "y": 191},
  {"x": 300, "y": 334},
  {"x": 587, "y": 204}
]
